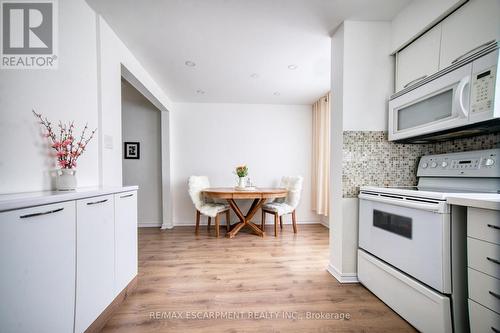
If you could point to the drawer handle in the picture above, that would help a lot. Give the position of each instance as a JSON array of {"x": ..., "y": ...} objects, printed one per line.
[
  {"x": 494, "y": 226},
  {"x": 494, "y": 330},
  {"x": 41, "y": 213},
  {"x": 493, "y": 260},
  {"x": 474, "y": 49},
  {"x": 97, "y": 202},
  {"x": 127, "y": 195},
  {"x": 494, "y": 294},
  {"x": 415, "y": 81}
]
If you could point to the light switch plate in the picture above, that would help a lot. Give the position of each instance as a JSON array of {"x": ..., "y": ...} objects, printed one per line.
[{"x": 108, "y": 141}]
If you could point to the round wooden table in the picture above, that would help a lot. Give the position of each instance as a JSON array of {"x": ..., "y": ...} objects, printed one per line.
[{"x": 259, "y": 196}]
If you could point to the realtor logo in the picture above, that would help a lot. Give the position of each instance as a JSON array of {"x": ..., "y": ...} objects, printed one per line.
[{"x": 29, "y": 34}]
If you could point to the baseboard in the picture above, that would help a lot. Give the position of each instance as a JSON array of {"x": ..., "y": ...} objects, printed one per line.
[
  {"x": 223, "y": 223},
  {"x": 103, "y": 318},
  {"x": 325, "y": 224},
  {"x": 149, "y": 225},
  {"x": 342, "y": 277}
]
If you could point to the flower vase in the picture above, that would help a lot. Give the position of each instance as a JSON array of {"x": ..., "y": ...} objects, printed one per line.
[
  {"x": 242, "y": 182},
  {"x": 66, "y": 179}
]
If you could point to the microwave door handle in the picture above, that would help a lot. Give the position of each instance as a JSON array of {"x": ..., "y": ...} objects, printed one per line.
[{"x": 459, "y": 96}]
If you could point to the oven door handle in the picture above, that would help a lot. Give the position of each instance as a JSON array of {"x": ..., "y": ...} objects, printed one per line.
[{"x": 437, "y": 207}]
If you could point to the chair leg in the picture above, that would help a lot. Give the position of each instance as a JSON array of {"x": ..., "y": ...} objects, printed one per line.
[
  {"x": 228, "y": 221},
  {"x": 281, "y": 222},
  {"x": 263, "y": 220},
  {"x": 294, "y": 222},
  {"x": 275, "y": 224},
  {"x": 197, "y": 222},
  {"x": 217, "y": 222},
  {"x": 208, "y": 224}
]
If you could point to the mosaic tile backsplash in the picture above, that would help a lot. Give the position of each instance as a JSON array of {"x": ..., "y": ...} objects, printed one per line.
[{"x": 370, "y": 159}]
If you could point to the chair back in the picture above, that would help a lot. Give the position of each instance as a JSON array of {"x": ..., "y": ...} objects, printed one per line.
[
  {"x": 294, "y": 186},
  {"x": 196, "y": 184}
]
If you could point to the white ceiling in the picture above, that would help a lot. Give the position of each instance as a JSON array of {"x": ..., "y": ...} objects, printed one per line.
[{"x": 229, "y": 40}]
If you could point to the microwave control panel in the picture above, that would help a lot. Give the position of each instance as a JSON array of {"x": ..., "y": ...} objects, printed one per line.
[{"x": 483, "y": 90}]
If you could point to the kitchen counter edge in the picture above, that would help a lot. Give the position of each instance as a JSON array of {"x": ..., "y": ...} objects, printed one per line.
[
  {"x": 486, "y": 201},
  {"x": 14, "y": 201}
]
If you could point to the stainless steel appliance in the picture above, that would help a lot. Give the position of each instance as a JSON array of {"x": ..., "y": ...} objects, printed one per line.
[
  {"x": 412, "y": 244},
  {"x": 460, "y": 100}
]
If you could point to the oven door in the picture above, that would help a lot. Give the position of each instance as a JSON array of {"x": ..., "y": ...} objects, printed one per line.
[
  {"x": 411, "y": 234},
  {"x": 438, "y": 105}
]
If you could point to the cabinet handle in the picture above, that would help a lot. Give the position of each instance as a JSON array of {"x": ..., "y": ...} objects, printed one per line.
[
  {"x": 127, "y": 195},
  {"x": 493, "y": 260},
  {"x": 97, "y": 202},
  {"x": 41, "y": 213},
  {"x": 494, "y": 330},
  {"x": 414, "y": 81},
  {"x": 494, "y": 294},
  {"x": 470, "y": 51},
  {"x": 494, "y": 226}
]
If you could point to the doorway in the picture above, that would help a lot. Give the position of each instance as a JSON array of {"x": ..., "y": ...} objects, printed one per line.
[{"x": 142, "y": 153}]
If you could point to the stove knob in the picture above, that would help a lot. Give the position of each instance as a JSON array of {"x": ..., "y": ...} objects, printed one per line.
[
  {"x": 444, "y": 164},
  {"x": 489, "y": 162},
  {"x": 425, "y": 165},
  {"x": 434, "y": 164}
]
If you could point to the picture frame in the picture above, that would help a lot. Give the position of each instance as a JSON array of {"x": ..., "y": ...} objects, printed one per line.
[{"x": 132, "y": 150}]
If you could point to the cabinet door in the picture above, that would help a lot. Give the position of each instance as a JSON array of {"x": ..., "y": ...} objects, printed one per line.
[
  {"x": 472, "y": 25},
  {"x": 95, "y": 258},
  {"x": 37, "y": 269},
  {"x": 125, "y": 239},
  {"x": 419, "y": 59}
]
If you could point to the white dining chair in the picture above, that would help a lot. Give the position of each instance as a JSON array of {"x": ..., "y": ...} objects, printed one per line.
[
  {"x": 284, "y": 206},
  {"x": 205, "y": 206}
]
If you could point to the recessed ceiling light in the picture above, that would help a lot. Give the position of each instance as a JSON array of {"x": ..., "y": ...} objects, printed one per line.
[
  {"x": 190, "y": 63},
  {"x": 254, "y": 75},
  {"x": 199, "y": 91},
  {"x": 292, "y": 67},
  {"x": 276, "y": 93}
]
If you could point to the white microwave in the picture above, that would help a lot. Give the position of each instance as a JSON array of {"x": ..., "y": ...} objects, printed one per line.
[{"x": 459, "y": 101}]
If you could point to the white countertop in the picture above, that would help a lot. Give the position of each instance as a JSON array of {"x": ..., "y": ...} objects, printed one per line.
[
  {"x": 477, "y": 200},
  {"x": 31, "y": 199}
]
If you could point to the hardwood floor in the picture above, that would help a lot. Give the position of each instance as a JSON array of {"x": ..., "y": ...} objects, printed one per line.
[{"x": 276, "y": 280}]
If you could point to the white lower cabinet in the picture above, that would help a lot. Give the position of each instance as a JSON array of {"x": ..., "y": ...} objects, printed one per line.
[
  {"x": 37, "y": 269},
  {"x": 95, "y": 259},
  {"x": 125, "y": 239}
]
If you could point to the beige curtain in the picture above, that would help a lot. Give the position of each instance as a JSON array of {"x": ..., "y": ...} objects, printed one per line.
[{"x": 321, "y": 155}]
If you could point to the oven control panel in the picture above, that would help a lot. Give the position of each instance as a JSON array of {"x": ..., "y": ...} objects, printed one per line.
[{"x": 479, "y": 163}]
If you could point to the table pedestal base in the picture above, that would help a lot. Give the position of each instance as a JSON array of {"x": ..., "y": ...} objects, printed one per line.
[{"x": 245, "y": 220}]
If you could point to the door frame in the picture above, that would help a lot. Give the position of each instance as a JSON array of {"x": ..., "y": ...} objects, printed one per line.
[{"x": 166, "y": 188}]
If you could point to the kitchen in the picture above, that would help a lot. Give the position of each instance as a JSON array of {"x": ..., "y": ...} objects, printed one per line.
[{"x": 407, "y": 229}]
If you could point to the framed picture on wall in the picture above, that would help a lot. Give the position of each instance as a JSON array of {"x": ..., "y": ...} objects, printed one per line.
[{"x": 132, "y": 150}]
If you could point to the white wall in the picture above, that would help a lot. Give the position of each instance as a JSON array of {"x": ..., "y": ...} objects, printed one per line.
[
  {"x": 417, "y": 17},
  {"x": 362, "y": 81},
  {"x": 85, "y": 88},
  {"x": 67, "y": 93},
  {"x": 368, "y": 75},
  {"x": 211, "y": 139},
  {"x": 141, "y": 123}
]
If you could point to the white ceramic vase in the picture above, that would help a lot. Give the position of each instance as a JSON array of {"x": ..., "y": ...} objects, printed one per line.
[
  {"x": 66, "y": 179},
  {"x": 242, "y": 182}
]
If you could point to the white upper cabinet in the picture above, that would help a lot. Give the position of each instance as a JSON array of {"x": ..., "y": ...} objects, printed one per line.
[
  {"x": 418, "y": 60},
  {"x": 467, "y": 29},
  {"x": 95, "y": 259},
  {"x": 460, "y": 34},
  {"x": 37, "y": 269}
]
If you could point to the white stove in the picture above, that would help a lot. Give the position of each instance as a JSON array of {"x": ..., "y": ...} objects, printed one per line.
[{"x": 412, "y": 242}]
